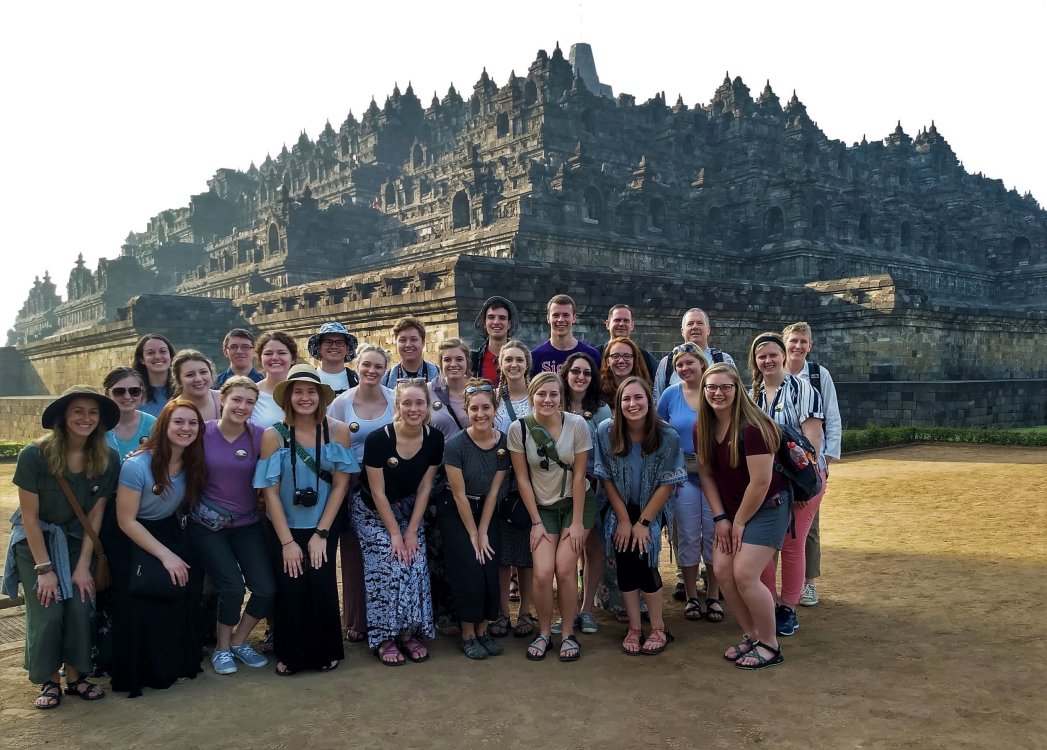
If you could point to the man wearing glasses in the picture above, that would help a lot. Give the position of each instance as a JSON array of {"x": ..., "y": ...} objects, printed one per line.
[
  {"x": 619, "y": 324},
  {"x": 696, "y": 329},
  {"x": 335, "y": 347},
  {"x": 238, "y": 348}
]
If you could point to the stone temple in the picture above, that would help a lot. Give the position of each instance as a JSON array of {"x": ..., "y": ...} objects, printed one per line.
[{"x": 926, "y": 286}]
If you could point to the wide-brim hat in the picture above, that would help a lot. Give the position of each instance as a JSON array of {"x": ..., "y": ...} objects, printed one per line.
[
  {"x": 334, "y": 327},
  {"x": 306, "y": 374},
  {"x": 55, "y": 411},
  {"x": 480, "y": 323}
]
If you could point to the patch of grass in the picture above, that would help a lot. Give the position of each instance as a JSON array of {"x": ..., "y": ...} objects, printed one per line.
[
  {"x": 10, "y": 450},
  {"x": 883, "y": 437}
]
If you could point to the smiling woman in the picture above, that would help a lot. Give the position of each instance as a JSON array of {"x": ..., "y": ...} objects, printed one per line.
[
  {"x": 158, "y": 631},
  {"x": 152, "y": 360},
  {"x": 49, "y": 552},
  {"x": 193, "y": 376}
]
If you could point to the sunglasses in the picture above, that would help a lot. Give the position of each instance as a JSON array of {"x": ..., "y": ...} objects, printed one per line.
[
  {"x": 687, "y": 348},
  {"x": 134, "y": 391},
  {"x": 580, "y": 373},
  {"x": 544, "y": 455},
  {"x": 485, "y": 388},
  {"x": 412, "y": 381}
]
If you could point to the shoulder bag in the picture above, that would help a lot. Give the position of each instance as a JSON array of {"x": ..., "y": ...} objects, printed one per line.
[{"x": 101, "y": 574}]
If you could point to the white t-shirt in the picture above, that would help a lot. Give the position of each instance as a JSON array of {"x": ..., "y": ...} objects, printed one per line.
[
  {"x": 574, "y": 438},
  {"x": 339, "y": 381}
]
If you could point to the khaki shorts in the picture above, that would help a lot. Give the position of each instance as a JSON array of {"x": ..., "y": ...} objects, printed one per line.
[{"x": 559, "y": 515}]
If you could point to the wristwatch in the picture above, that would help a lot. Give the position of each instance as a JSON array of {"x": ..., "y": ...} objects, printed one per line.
[
  {"x": 322, "y": 533},
  {"x": 43, "y": 568},
  {"x": 644, "y": 522}
]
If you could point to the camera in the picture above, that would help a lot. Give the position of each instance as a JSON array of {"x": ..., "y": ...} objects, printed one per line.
[{"x": 306, "y": 498}]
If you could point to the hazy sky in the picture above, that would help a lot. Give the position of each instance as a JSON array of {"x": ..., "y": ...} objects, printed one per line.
[{"x": 117, "y": 111}]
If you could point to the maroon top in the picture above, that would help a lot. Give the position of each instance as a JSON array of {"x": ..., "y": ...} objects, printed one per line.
[{"x": 732, "y": 481}]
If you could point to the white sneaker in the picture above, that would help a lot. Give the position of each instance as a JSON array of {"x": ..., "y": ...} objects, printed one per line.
[{"x": 810, "y": 595}]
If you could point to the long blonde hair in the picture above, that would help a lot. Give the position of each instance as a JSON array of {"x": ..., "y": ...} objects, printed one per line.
[
  {"x": 744, "y": 412},
  {"x": 402, "y": 386},
  {"x": 55, "y": 446}
]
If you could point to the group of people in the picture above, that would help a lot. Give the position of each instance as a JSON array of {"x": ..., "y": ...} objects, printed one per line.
[{"x": 445, "y": 488}]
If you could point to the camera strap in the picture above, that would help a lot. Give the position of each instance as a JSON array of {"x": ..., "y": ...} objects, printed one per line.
[
  {"x": 299, "y": 451},
  {"x": 306, "y": 459}
]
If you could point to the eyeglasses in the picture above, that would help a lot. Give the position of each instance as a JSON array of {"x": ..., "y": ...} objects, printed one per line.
[
  {"x": 620, "y": 357},
  {"x": 713, "y": 388},
  {"x": 687, "y": 348},
  {"x": 485, "y": 388},
  {"x": 579, "y": 372},
  {"x": 134, "y": 391},
  {"x": 544, "y": 455},
  {"x": 239, "y": 347},
  {"x": 334, "y": 342}
]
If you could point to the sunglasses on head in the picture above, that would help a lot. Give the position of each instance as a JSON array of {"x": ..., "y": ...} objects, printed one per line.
[
  {"x": 687, "y": 348},
  {"x": 486, "y": 387},
  {"x": 134, "y": 391}
]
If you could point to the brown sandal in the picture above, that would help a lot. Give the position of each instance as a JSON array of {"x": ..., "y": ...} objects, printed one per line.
[
  {"x": 526, "y": 624},
  {"x": 631, "y": 643},
  {"x": 657, "y": 641}
]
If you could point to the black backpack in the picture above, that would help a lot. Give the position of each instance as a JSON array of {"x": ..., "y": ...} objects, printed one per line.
[
  {"x": 795, "y": 459},
  {"x": 814, "y": 373}
]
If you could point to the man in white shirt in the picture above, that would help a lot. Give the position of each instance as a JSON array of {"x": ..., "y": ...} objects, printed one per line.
[
  {"x": 335, "y": 348},
  {"x": 798, "y": 344}
]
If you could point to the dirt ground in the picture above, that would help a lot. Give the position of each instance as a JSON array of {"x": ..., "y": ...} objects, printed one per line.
[{"x": 927, "y": 636}]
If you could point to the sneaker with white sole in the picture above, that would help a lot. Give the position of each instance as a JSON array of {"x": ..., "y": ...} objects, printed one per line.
[
  {"x": 246, "y": 653},
  {"x": 586, "y": 622},
  {"x": 557, "y": 627},
  {"x": 223, "y": 663},
  {"x": 810, "y": 595},
  {"x": 785, "y": 622}
]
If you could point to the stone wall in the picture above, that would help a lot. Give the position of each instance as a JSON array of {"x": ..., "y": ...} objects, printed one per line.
[
  {"x": 951, "y": 403},
  {"x": 20, "y": 418}
]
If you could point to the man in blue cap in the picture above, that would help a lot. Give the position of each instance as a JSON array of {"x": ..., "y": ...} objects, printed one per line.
[{"x": 335, "y": 347}]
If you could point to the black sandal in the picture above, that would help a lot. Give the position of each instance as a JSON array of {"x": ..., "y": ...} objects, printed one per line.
[
  {"x": 570, "y": 642},
  {"x": 52, "y": 690},
  {"x": 72, "y": 688},
  {"x": 713, "y": 615},
  {"x": 762, "y": 662}
]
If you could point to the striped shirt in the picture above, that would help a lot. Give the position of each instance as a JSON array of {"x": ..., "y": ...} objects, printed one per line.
[{"x": 794, "y": 403}]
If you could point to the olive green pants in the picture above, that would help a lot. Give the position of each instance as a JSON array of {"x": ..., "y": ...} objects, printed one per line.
[{"x": 59, "y": 633}]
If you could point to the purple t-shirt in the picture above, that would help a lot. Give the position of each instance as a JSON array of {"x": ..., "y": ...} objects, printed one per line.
[
  {"x": 546, "y": 358},
  {"x": 230, "y": 471}
]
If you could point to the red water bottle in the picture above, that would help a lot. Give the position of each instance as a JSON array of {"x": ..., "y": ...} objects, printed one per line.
[{"x": 798, "y": 455}]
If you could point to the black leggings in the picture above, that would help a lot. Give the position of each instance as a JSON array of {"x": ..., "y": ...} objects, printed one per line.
[{"x": 633, "y": 571}]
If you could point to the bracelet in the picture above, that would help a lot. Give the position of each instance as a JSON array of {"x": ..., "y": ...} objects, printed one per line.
[
  {"x": 721, "y": 517},
  {"x": 537, "y": 523},
  {"x": 286, "y": 543}
]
